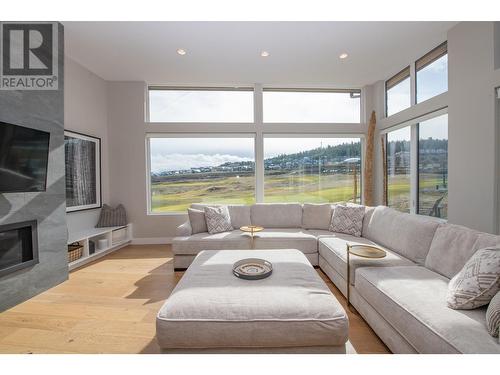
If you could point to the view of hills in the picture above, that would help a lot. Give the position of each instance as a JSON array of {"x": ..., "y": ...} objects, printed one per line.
[{"x": 329, "y": 155}]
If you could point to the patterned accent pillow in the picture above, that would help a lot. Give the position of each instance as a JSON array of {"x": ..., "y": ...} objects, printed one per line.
[
  {"x": 478, "y": 281},
  {"x": 218, "y": 219},
  {"x": 493, "y": 316},
  {"x": 197, "y": 221},
  {"x": 348, "y": 219},
  {"x": 112, "y": 217}
]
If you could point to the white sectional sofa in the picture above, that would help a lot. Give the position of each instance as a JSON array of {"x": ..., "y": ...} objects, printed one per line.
[{"x": 401, "y": 296}]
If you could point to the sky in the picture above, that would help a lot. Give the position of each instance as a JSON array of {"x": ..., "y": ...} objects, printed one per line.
[
  {"x": 200, "y": 106},
  {"x": 170, "y": 154},
  {"x": 311, "y": 107},
  {"x": 237, "y": 106}
]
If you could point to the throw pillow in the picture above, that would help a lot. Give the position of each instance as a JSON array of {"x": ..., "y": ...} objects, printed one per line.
[
  {"x": 478, "y": 281},
  {"x": 316, "y": 216},
  {"x": 348, "y": 219},
  {"x": 493, "y": 316},
  {"x": 197, "y": 221},
  {"x": 112, "y": 217},
  {"x": 218, "y": 219}
]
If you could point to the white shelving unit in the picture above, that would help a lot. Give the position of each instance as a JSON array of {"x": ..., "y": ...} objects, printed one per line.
[{"x": 116, "y": 238}]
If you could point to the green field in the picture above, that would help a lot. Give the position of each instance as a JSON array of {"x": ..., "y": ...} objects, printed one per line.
[
  {"x": 399, "y": 193},
  {"x": 178, "y": 195}
]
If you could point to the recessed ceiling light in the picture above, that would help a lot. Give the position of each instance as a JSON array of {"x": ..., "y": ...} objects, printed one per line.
[
  {"x": 343, "y": 56},
  {"x": 264, "y": 54},
  {"x": 181, "y": 51}
]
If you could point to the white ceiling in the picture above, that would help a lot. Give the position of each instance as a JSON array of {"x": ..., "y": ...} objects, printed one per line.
[{"x": 302, "y": 53}]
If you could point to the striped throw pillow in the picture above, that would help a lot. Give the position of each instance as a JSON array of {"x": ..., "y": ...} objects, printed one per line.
[{"x": 112, "y": 217}]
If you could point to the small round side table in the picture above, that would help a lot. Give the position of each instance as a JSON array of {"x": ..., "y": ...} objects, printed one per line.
[
  {"x": 363, "y": 251},
  {"x": 252, "y": 229}
]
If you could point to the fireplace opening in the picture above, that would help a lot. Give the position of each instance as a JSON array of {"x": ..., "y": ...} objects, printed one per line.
[{"x": 18, "y": 246}]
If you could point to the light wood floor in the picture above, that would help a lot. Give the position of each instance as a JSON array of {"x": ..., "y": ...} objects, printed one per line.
[{"x": 110, "y": 306}]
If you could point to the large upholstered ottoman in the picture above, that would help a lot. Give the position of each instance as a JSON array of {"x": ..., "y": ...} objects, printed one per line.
[{"x": 292, "y": 311}]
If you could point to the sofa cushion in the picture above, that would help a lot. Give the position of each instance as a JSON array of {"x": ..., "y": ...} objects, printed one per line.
[
  {"x": 407, "y": 234},
  {"x": 316, "y": 216},
  {"x": 240, "y": 214},
  {"x": 197, "y": 221},
  {"x": 451, "y": 248},
  {"x": 486, "y": 240},
  {"x": 320, "y": 233},
  {"x": 334, "y": 251},
  {"x": 277, "y": 215},
  {"x": 192, "y": 245},
  {"x": 347, "y": 220},
  {"x": 412, "y": 299},
  {"x": 287, "y": 238},
  {"x": 493, "y": 316},
  {"x": 478, "y": 281}
]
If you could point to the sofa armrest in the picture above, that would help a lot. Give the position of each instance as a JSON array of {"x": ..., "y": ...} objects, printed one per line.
[{"x": 184, "y": 229}]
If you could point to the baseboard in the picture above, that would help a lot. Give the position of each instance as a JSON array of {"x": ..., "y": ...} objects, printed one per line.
[{"x": 152, "y": 241}]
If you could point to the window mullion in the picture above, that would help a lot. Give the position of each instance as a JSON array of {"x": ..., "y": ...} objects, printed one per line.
[
  {"x": 414, "y": 168},
  {"x": 413, "y": 85},
  {"x": 259, "y": 143}
]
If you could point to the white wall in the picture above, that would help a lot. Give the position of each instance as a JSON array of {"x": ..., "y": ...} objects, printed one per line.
[
  {"x": 473, "y": 138},
  {"x": 85, "y": 111},
  {"x": 126, "y": 103}
]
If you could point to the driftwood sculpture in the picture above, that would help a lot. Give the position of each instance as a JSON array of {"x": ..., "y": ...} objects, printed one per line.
[{"x": 368, "y": 182}]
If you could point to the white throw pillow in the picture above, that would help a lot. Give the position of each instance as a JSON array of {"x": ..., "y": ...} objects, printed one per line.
[
  {"x": 218, "y": 219},
  {"x": 316, "y": 216},
  {"x": 197, "y": 221},
  {"x": 478, "y": 281},
  {"x": 493, "y": 316},
  {"x": 348, "y": 220}
]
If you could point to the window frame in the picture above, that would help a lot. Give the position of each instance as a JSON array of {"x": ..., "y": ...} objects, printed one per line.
[
  {"x": 361, "y": 137},
  {"x": 413, "y": 79},
  {"x": 150, "y": 136},
  {"x": 414, "y": 151},
  {"x": 398, "y": 77},
  {"x": 352, "y": 91},
  {"x": 150, "y": 88},
  {"x": 386, "y": 134},
  {"x": 257, "y": 128},
  {"x": 426, "y": 60},
  {"x": 417, "y": 133}
]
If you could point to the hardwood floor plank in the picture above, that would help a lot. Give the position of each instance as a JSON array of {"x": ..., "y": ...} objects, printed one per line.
[{"x": 110, "y": 306}]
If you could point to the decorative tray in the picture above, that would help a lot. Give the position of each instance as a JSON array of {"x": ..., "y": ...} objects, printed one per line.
[{"x": 252, "y": 269}]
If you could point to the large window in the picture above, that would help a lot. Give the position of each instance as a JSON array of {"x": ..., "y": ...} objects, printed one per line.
[
  {"x": 219, "y": 146},
  {"x": 398, "y": 169},
  {"x": 398, "y": 92},
  {"x": 185, "y": 170},
  {"x": 433, "y": 167},
  {"x": 311, "y": 106},
  {"x": 200, "y": 105},
  {"x": 306, "y": 169},
  {"x": 432, "y": 73}
]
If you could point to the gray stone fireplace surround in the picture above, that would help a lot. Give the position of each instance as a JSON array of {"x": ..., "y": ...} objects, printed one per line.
[{"x": 42, "y": 110}]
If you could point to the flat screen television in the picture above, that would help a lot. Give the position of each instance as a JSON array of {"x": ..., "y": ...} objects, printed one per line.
[{"x": 24, "y": 154}]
